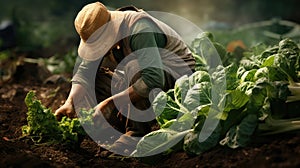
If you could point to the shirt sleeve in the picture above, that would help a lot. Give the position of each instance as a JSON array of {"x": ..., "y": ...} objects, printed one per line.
[
  {"x": 84, "y": 76},
  {"x": 145, "y": 43},
  {"x": 85, "y": 72}
]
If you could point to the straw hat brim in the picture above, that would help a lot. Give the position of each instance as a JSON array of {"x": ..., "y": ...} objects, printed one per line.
[{"x": 101, "y": 41}]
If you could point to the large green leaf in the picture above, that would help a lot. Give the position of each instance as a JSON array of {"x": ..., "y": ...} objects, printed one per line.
[
  {"x": 184, "y": 122},
  {"x": 235, "y": 99},
  {"x": 248, "y": 75},
  {"x": 158, "y": 142},
  {"x": 199, "y": 94},
  {"x": 240, "y": 135},
  {"x": 198, "y": 77},
  {"x": 165, "y": 108},
  {"x": 181, "y": 88},
  {"x": 193, "y": 145},
  {"x": 231, "y": 76}
]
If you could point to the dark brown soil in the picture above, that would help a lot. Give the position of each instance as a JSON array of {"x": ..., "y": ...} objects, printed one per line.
[{"x": 276, "y": 151}]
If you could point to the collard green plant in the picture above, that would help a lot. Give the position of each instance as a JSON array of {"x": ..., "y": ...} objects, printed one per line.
[{"x": 265, "y": 74}]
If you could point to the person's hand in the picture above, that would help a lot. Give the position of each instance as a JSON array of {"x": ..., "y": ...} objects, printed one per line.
[
  {"x": 104, "y": 108},
  {"x": 65, "y": 110}
]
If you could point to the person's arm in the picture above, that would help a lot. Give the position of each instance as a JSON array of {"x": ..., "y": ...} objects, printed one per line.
[
  {"x": 82, "y": 87},
  {"x": 108, "y": 105},
  {"x": 67, "y": 109},
  {"x": 145, "y": 42}
]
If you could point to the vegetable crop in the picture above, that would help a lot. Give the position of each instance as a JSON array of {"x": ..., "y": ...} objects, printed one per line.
[
  {"x": 263, "y": 76},
  {"x": 43, "y": 127}
]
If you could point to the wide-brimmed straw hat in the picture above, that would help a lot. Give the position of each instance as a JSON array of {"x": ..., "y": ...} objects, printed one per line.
[{"x": 98, "y": 29}]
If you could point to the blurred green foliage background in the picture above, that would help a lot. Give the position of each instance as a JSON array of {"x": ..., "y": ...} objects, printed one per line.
[{"x": 42, "y": 24}]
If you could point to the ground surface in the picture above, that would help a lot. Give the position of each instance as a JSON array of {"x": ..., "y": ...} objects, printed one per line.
[{"x": 277, "y": 151}]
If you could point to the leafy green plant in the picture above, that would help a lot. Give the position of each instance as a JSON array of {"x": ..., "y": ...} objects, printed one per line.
[
  {"x": 57, "y": 64},
  {"x": 42, "y": 126},
  {"x": 265, "y": 74},
  {"x": 62, "y": 64}
]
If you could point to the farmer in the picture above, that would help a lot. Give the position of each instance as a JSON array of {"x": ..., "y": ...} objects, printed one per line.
[{"x": 125, "y": 55}]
